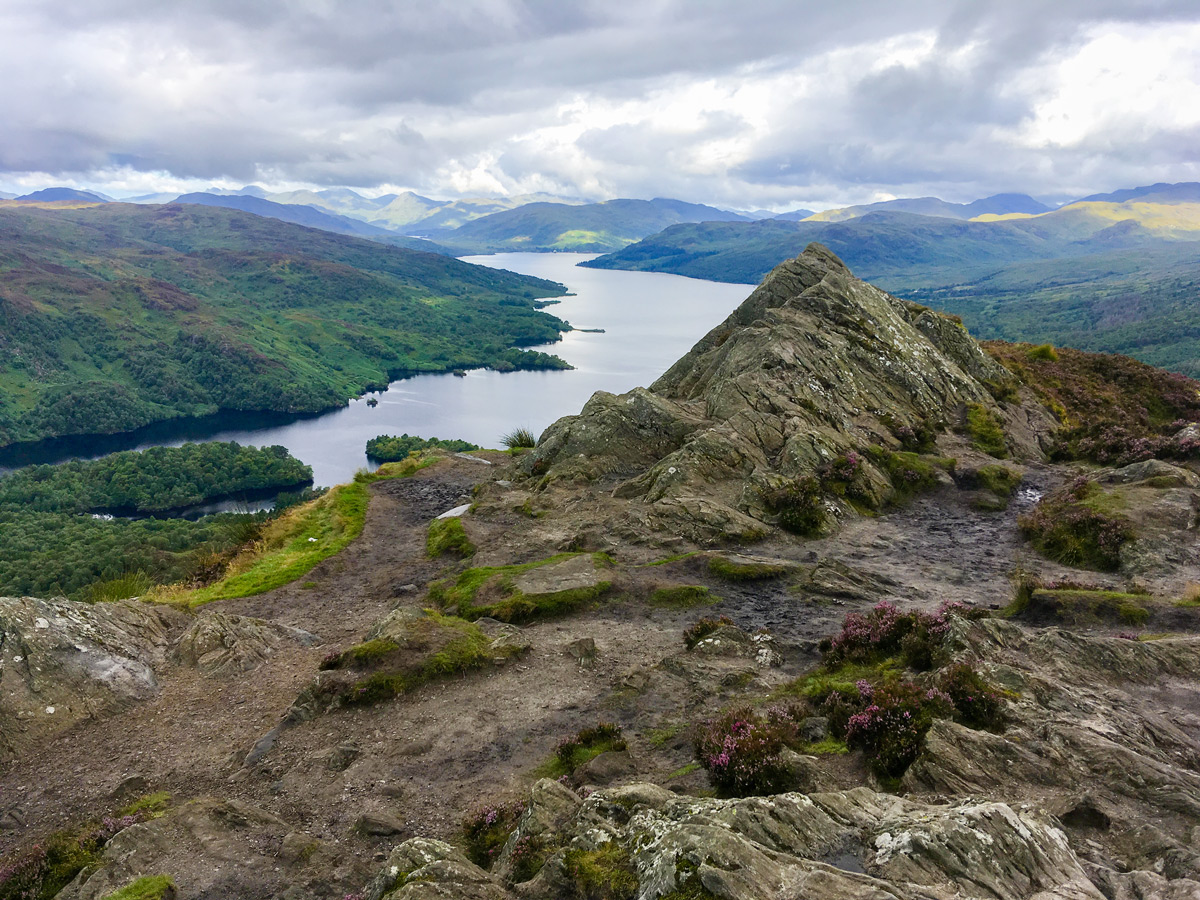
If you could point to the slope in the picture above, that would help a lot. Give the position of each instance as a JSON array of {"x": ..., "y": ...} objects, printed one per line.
[{"x": 115, "y": 316}]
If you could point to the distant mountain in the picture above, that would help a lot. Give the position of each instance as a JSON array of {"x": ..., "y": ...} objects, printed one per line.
[
  {"x": 588, "y": 228},
  {"x": 4, "y": 195},
  {"x": 1183, "y": 192},
  {"x": 117, "y": 315},
  {"x": 61, "y": 194},
  {"x": 999, "y": 204},
  {"x": 309, "y": 217},
  {"x": 794, "y": 215}
]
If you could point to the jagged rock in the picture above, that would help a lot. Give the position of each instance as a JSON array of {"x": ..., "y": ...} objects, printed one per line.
[
  {"x": 551, "y": 805},
  {"x": 62, "y": 662},
  {"x": 222, "y": 644},
  {"x": 834, "y": 578},
  {"x": 212, "y": 848},
  {"x": 813, "y": 364},
  {"x": 424, "y": 869},
  {"x": 1164, "y": 475}
]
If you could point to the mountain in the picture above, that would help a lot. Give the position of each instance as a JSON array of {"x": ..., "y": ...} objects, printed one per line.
[
  {"x": 1100, "y": 275},
  {"x": 118, "y": 315},
  {"x": 794, "y": 215},
  {"x": 61, "y": 194},
  {"x": 588, "y": 228},
  {"x": 308, "y": 217},
  {"x": 4, "y": 195},
  {"x": 998, "y": 204},
  {"x": 751, "y": 632},
  {"x": 1183, "y": 192}
]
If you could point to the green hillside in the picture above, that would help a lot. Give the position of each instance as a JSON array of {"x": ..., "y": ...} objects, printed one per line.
[
  {"x": 117, "y": 315},
  {"x": 589, "y": 228},
  {"x": 1099, "y": 275}
]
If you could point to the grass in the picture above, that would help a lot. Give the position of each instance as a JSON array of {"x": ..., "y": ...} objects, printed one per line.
[
  {"x": 131, "y": 584},
  {"x": 682, "y": 596},
  {"x": 829, "y": 746},
  {"x": 466, "y": 649},
  {"x": 149, "y": 887},
  {"x": 519, "y": 438},
  {"x": 668, "y": 560},
  {"x": 448, "y": 536},
  {"x": 503, "y": 600},
  {"x": 684, "y": 770},
  {"x": 294, "y": 543},
  {"x": 152, "y": 805},
  {"x": 660, "y": 737},
  {"x": 1079, "y": 525}
]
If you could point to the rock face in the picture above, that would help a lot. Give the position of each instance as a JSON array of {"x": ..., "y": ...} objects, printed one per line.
[
  {"x": 62, "y": 661},
  {"x": 815, "y": 363}
]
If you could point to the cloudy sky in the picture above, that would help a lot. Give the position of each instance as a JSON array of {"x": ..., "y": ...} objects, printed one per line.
[{"x": 740, "y": 103}]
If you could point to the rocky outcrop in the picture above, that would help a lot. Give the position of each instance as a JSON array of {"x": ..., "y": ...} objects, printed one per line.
[
  {"x": 63, "y": 661},
  {"x": 814, "y": 364},
  {"x": 223, "y": 644}
]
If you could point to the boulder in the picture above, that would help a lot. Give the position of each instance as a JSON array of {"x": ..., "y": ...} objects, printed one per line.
[{"x": 63, "y": 661}]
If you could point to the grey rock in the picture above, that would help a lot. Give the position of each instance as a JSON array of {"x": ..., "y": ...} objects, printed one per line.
[
  {"x": 379, "y": 823},
  {"x": 223, "y": 644},
  {"x": 615, "y": 765}
]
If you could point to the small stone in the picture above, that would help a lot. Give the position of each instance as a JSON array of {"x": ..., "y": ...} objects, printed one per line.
[{"x": 379, "y": 824}]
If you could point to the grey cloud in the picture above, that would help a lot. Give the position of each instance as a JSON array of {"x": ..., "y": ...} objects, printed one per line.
[{"x": 421, "y": 86}]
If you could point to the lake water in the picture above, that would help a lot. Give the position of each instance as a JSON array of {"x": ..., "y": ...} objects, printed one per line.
[{"x": 649, "y": 321}]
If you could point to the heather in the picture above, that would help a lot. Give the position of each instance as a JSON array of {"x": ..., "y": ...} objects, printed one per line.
[{"x": 486, "y": 830}]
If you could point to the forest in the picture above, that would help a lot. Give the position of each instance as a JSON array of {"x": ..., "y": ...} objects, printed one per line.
[
  {"x": 389, "y": 448},
  {"x": 55, "y": 546}
]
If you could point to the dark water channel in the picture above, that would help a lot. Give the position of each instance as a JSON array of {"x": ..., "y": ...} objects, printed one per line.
[{"x": 649, "y": 321}]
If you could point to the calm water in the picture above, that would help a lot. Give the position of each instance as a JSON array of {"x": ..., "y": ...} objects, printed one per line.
[{"x": 649, "y": 319}]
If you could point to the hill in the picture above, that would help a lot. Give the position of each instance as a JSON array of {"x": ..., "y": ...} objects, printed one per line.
[
  {"x": 60, "y": 194},
  {"x": 118, "y": 315},
  {"x": 589, "y": 228},
  {"x": 310, "y": 218}
]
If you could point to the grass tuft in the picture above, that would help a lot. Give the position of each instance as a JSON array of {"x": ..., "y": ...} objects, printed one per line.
[
  {"x": 519, "y": 438},
  {"x": 448, "y": 536}
]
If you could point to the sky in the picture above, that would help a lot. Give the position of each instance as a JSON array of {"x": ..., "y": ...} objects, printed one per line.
[{"x": 773, "y": 104}]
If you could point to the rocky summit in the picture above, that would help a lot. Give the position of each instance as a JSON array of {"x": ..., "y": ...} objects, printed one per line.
[{"x": 844, "y": 605}]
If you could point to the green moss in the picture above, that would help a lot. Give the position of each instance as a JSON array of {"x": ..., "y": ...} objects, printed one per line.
[
  {"x": 603, "y": 874},
  {"x": 150, "y": 887},
  {"x": 511, "y": 605},
  {"x": 985, "y": 431},
  {"x": 910, "y": 473},
  {"x": 797, "y": 505},
  {"x": 363, "y": 655},
  {"x": 448, "y": 536},
  {"x": 1000, "y": 480},
  {"x": 468, "y": 649},
  {"x": 827, "y": 747},
  {"x": 670, "y": 559},
  {"x": 682, "y": 596},
  {"x": 152, "y": 805},
  {"x": 723, "y": 567},
  {"x": 660, "y": 737}
]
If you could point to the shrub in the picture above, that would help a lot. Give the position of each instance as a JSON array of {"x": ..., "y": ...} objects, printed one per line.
[
  {"x": 1067, "y": 527},
  {"x": 519, "y": 438},
  {"x": 985, "y": 431},
  {"x": 587, "y": 744},
  {"x": 703, "y": 628},
  {"x": 448, "y": 536},
  {"x": 914, "y": 636},
  {"x": 743, "y": 754},
  {"x": 486, "y": 830},
  {"x": 798, "y": 505},
  {"x": 1043, "y": 352},
  {"x": 976, "y": 703}
]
